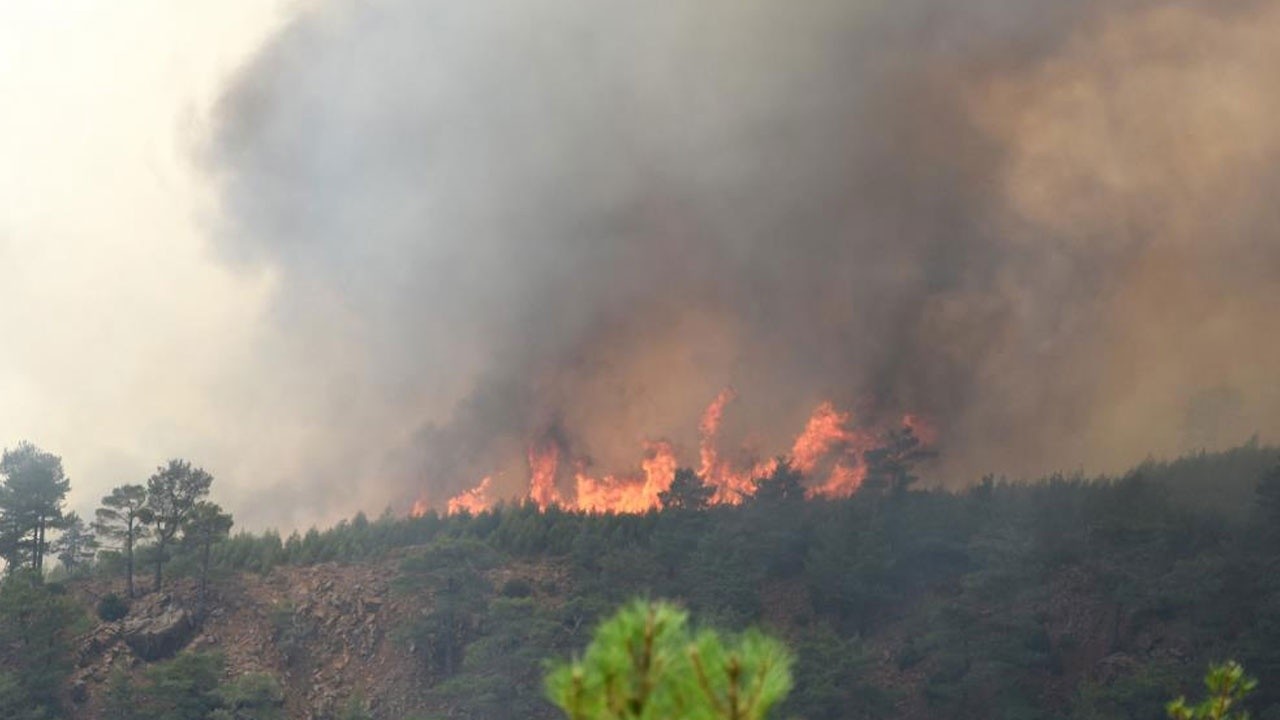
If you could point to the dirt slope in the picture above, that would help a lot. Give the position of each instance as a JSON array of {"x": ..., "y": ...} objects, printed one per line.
[{"x": 327, "y": 632}]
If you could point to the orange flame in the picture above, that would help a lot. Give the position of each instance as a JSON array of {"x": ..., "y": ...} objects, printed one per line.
[
  {"x": 829, "y": 451},
  {"x": 659, "y": 468},
  {"x": 842, "y": 482},
  {"x": 420, "y": 508},
  {"x": 629, "y": 495},
  {"x": 709, "y": 431},
  {"x": 730, "y": 486},
  {"x": 543, "y": 467},
  {"x": 829, "y": 434},
  {"x": 474, "y": 501},
  {"x": 826, "y": 431}
]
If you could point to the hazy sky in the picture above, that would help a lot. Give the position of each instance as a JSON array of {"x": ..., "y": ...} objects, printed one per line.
[{"x": 118, "y": 324}]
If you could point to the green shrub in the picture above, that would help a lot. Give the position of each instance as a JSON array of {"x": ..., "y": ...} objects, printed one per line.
[
  {"x": 190, "y": 687},
  {"x": 112, "y": 607},
  {"x": 355, "y": 709},
  {"x": 254, "y": 696},
  {"x": 291, "y": 633},
  {"x": 517, "y": 588}
]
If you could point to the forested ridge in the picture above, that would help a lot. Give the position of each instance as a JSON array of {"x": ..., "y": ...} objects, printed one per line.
[{"x": 1066, "y": 597}]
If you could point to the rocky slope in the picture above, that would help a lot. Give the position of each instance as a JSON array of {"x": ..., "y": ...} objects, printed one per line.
[
  {"x": 331, "y": 632},
  {"x": 327, "y": 632}
]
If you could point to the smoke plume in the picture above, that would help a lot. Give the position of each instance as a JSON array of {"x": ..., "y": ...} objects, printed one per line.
[{"x": 1050, "y": 227}]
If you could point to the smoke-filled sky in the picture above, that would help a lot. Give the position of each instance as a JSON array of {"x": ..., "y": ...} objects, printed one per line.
[{"x": 350, "y": 253}]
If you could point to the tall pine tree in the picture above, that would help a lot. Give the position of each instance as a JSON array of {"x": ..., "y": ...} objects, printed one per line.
[
  {"x": 121, "y": 519},
  {"x": 31, "y": 496},
  {"x": 172, "y": 494},
  {"x": 207, "y": 524}
]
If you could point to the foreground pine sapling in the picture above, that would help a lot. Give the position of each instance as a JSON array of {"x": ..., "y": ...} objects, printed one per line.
[
  {"x": 646, "y": 664},
  {"x": 1228, "y": 686}
]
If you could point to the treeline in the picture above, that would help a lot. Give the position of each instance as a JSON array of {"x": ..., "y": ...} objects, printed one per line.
[
  {"x": 38, "y": 621},
  {"x": 171, "y": 508},
  {"x": 890, "y": 471},
  {"x": 1068, "y": 597}
]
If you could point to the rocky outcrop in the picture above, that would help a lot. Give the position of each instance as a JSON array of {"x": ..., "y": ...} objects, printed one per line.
[
  {"x": 160, "y": 635},
  {"x": 326, "y": 632},
  {"x": 97, "y": 642}
]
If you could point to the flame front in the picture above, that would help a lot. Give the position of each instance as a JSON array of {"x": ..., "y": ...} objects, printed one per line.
[
  {"x": 544, "y": 464},
  {"x": 730, "y": 485},
  {"x": 474, "y": 500},
  {"x": 828, "y": 434},
  {"x": 829, "y": 451}
]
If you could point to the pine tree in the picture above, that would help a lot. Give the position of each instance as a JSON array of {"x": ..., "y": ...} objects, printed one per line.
[
  {"x": 687, "y": 492},
  {"x": 172, "y": 494},
  {"x": 76, "y": 547},
  {"x": 31, "y": 497},
  {"x": 784, "y": 484},
  {"x": 121, "y": 519},
  {"x": 646, "y": 664},
  {"x": 890, "y": 466},
  {"x": 207, "y": 524},
  {"x": 1228, "y": 686},
  {"x": 37, "y": 626}
]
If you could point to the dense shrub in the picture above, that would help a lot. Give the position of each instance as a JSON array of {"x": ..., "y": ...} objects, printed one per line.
[
  {"x": 517, "y": 588},
  {"x": 112, "y": 607}
]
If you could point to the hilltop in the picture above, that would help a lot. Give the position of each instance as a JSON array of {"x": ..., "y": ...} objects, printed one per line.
[{"x": 1063, "y": 598}]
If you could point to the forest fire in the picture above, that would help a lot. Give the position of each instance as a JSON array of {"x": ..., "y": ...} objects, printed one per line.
[
  {"x": 829, "y": 451},
  {"x": 628, "y": 494},
  {"x": 420, "y": 508},
  {"x": 474, "y": 500}
]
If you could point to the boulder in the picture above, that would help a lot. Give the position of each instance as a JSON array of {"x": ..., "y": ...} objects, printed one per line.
[{"x": 158, "y": 636}]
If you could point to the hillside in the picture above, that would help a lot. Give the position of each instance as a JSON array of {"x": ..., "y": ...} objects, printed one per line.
[
  {"x": 329, "y": 633},
  {"x": 1064, "y": 598}
]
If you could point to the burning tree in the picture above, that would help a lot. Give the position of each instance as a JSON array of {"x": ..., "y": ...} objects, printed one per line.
[
  {"x": 688, "y": 491},
  {"x": 830, "y": 458}
]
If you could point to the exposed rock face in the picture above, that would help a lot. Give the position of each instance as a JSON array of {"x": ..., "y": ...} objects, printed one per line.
[
  {"x": 326, "y": 632},
  {"x": 158, "y": 636},
  {"x": 97, "y": 642}
]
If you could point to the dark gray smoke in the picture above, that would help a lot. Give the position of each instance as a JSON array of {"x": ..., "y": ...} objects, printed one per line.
[{"x": 1049, "y": 226}]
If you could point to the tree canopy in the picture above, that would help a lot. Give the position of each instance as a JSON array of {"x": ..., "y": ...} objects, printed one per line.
[
  {"x": 172, "y": 495},
  {"x": 645, "y": 663},
  {"x": 120, "y": 520},
  {"x": 31, "y": 496}
]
